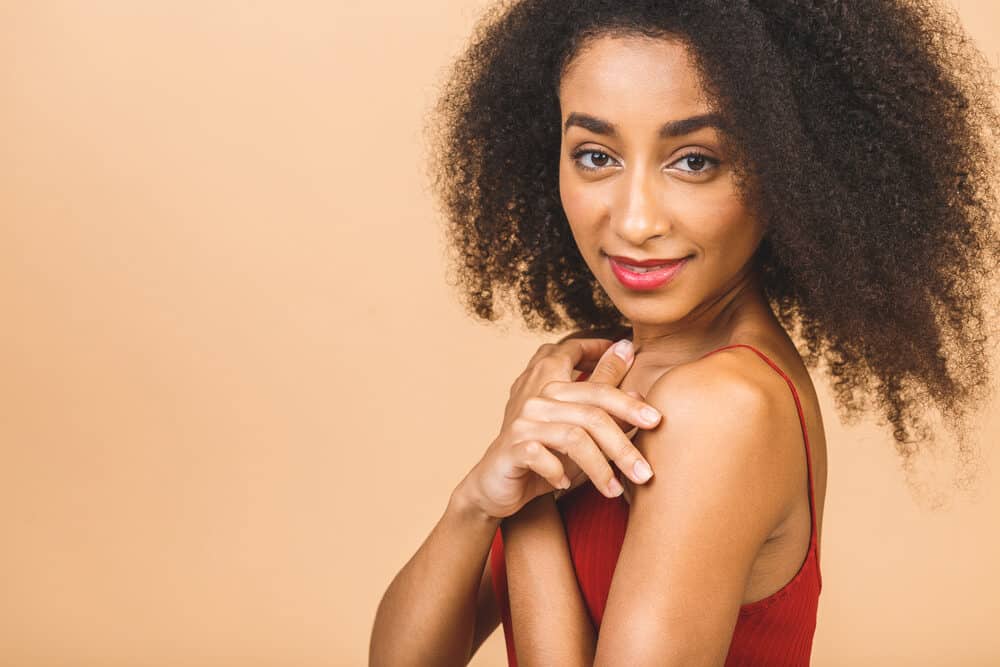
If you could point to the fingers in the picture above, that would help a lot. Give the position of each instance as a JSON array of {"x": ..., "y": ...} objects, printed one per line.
[
  {"x": 535, "y": 456},
  {"x": 582, "y": 354},
  {"x": 587, "y": 435},
  {"x": 576, "y": 442},
  {"x": 631, "y": 431},
  {"x": 631, "y": 410},
  {"x": 586, "y": 421},
  {"x": 575, "y": 353},
  {"x": 613, "y": 364}
]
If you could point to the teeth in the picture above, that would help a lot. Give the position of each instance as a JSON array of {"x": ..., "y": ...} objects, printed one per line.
[{"x": 643, "y": 269}]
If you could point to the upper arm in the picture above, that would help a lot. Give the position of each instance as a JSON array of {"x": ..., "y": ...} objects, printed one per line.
[{"x": 722, "y": 463}]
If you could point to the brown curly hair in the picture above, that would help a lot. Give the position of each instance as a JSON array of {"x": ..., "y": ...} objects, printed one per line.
[{"x": 864, "y": 133}]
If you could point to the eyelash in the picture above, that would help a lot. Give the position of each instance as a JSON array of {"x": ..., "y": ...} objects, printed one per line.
[{"x": 693, "y": 153}]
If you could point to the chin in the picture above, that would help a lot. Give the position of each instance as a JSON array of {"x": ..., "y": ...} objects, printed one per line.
[{"x": 650, "y": 313}]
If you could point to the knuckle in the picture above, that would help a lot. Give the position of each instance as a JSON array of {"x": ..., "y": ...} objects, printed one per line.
[
  {"x": 535, "y": 358},
  {"x": 531, "y": 447},
  {"x": 559, "y": 359},
  {"x": 576, "y": 435},
  {"x": 626, "y": 451},
  {"x": 534, "y": 405},
  {"x": 550, "y": 387},
  {"x": 602, "y": 475},
  {"x": 579, "y": 333},
  {"x": 549, "y": 363},
  {"x": 595, "y": 418}
]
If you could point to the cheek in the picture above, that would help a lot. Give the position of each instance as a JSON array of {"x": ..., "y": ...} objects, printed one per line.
[
  {"x": 581, "y": 206},
  {"x": 719, "y": 221},
  {"x": 569, "y": 193}
]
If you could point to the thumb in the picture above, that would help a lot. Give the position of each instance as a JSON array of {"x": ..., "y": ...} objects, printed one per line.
[{"x": 613, "y": 364}]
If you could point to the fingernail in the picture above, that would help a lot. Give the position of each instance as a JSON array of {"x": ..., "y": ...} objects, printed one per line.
[
  {"x": 642, "y": 470},
  {"x": 615, "y": 487},
  {"x": 623, "y": 349},
  {"x": 650, "y": 415}
]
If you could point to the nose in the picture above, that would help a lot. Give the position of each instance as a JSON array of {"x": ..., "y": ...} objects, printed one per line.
[{"x": 640, "y": 212}]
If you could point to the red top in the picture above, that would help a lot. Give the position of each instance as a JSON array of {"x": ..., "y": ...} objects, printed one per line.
[{"x": 776, "y": 630}]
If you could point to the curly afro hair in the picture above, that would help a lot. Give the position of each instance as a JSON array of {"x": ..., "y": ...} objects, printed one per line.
[{"x": 864, "y": 133}]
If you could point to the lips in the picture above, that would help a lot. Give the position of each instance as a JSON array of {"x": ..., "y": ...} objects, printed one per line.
[
  {"x": 644, "y": 268},
  {"x": 647, "y": 278},
  {"x": 628, "y": 261}
]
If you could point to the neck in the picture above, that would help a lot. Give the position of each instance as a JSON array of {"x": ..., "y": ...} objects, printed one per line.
[{"x": 708, "y": 327}]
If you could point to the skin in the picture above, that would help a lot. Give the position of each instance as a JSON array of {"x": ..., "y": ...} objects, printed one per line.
[
  {"x": 432, "y": 613},
  {"x": 644, "y": 200},
  {"x": 729, "y": 483},
  {"x": 740, "y": 494}
]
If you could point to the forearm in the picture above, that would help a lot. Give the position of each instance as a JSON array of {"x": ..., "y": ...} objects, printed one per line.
[
  {"x": 428, "y": 613},
  {"x": 551, "y": 625}
]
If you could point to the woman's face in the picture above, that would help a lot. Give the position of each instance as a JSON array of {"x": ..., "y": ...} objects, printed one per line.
[{"x": 633, "y": 184}]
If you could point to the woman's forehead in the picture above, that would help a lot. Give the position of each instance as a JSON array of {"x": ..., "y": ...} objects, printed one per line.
[
  {"x": 629, "y": 71},
  {"x": 619, "y": 85}
]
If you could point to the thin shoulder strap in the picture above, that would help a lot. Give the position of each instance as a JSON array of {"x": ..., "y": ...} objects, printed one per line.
[{"x": 802, "y": 423}]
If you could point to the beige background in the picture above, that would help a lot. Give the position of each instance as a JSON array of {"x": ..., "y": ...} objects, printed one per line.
[{"x": 235, "y": 384}]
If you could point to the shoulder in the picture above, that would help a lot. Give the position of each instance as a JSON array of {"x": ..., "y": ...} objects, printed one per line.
[
  {"x": 729, "y": 424},
  {"x": 724, "y": 478},
  {"x": 735, "y": 377}
]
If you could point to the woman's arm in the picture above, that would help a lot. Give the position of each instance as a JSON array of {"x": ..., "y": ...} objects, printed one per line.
[
  {"x": 427, "y": 616},
  {"x": 726, "y": 478},
  {"x": 551, "y": 625}
]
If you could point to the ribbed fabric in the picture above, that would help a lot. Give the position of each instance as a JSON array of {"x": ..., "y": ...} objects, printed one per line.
[{"x": 775, "y": 631}]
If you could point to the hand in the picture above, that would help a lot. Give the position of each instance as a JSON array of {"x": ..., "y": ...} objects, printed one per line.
[
  {"x": 613, "y": 378},
  {"x": 555, "y": 427}
]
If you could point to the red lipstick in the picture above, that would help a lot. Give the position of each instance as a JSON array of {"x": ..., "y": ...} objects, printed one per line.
[{"x": 649, "y": 279}]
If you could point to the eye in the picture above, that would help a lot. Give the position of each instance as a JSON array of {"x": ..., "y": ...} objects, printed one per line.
[
  {"x": 696, "y": 162},
  {"x": 600, "y": 158}
]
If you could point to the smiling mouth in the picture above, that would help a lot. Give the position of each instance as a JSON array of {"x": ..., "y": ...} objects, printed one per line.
[
  {"x": 645, "y": 269},
  {"x": 637, "y": 264},
  {"x": 646, "y": 277}
]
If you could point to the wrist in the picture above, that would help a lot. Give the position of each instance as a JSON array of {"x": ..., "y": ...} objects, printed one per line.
[{"x": 462, "y": 504}]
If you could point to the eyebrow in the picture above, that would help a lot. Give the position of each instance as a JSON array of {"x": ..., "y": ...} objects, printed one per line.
[{"x": 674, "y": 128}]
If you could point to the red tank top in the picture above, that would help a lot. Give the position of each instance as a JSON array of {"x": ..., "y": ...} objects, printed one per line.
[{"x": 776, "y": 630}]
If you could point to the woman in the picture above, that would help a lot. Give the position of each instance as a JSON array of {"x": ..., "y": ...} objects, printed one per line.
[{"x": 814, "y": 167}]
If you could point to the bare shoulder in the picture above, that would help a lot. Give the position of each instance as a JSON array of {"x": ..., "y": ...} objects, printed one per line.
[
  {"x": 731, "y": 378},
  {"x": 725, "y": 478},
  {"x": 728, "y": 413}
]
